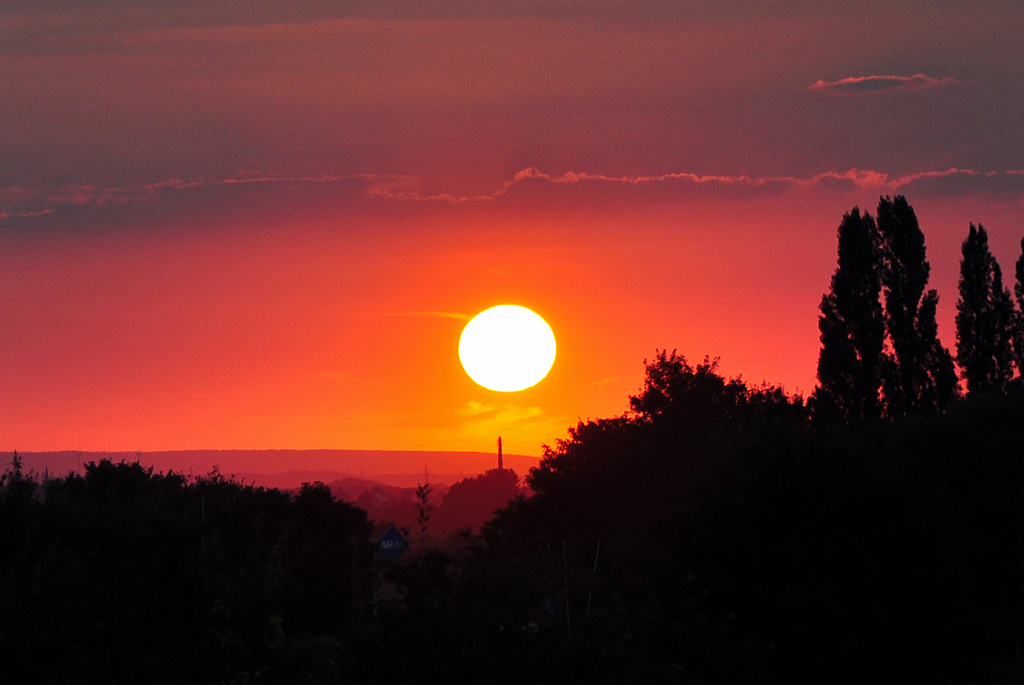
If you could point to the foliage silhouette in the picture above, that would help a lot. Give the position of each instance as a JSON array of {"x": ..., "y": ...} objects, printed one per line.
[
  {"x": 122, "y": 575},
  {"x": 879, "y": 545},
  {"x": 423, "y": 509},
  {"x": 919, "y": 373},
  {"x": 740, "y": 542},
  {"x": 472, "y": 501},
  {"x": 1018, "y": 335},
  {"x": 985, "y": 317},
  {"x": 852, "y": 326}
]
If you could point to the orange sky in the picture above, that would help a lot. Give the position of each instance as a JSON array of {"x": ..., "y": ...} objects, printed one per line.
[{"x": 268, "y": 233}]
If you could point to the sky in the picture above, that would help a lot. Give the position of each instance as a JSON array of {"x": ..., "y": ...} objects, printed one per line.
[{"x": 230, "y": 225}]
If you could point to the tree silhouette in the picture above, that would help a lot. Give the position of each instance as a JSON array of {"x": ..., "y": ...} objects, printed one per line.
[
  {"x": 472, "y": 501},
  {"x": 1004, "y": 323},
  {"x": 919, "y": 374},
  {"x": 1018, "y": 289},
  {"x": 673, "y": 389},
  {"x": 123, "y": 575},
  {"x": 985, "y": 317},
  {"x": 423, "y": 508},
  {"x": 942, "y": 387},
  {"x": 852, "y": 326}
]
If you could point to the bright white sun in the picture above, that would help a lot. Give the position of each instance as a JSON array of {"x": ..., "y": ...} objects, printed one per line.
[{"x": 507, "y": 348}]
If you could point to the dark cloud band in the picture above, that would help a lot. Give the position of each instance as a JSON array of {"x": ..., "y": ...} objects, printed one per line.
[{"x": 21, "y": 202}]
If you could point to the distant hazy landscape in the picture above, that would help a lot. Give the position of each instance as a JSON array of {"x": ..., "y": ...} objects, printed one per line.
[{"x": 290, "y": 468}]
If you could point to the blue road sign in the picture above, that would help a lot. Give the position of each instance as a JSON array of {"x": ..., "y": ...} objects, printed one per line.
[{"x": 392, "y": 544}]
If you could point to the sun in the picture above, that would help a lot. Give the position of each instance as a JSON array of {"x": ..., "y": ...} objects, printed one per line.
[{"x": 507, "y": 348}]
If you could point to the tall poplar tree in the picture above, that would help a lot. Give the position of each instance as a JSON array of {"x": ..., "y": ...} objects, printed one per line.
[
  {"x": 851, "y": 325},
  {"x": 1004, "y": 323},
  {"x": 919, "y": 373},
  {"x": 1018, "y": 289},
  {"x": 985, "y": 317},
  {"x": 942, "y": 387}
]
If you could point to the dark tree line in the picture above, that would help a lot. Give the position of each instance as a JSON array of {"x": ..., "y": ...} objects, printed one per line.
[
  {"x": 713, "y": 533},
  {"x": 880, "y": 353},
  {"x": 120, "y": 575},
  {"x": 742, "y": 542},
  {"x": 716, "y": 532}
]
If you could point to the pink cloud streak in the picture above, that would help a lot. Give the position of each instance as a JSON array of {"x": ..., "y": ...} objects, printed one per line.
[
  {"x": 877, "y": 83},
  {"x": 404, "y": 188}
]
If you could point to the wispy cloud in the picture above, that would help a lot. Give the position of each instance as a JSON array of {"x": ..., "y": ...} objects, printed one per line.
[
  {"x": 533, "y": 176},
  {"x": 485, "y": 418},
  {"x": 25, "y": 215},
  {"x": 74, "y": 195},
  {"x": 955, "y": 182},
  {"x": 474, "y": 408},
  {"x": 877, "y": 83},
  {"x": 511, "y": 414},
  {"x": 414, "y": 188},
  {"x": 1011, "y": 180},
  {"x": 27, "y": 202},
  {"x": 851, "y": 179},
  {"x": 495, "y": 415}
]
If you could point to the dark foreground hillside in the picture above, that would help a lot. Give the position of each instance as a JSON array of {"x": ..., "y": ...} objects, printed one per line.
[{"x": 713, "y": 534}]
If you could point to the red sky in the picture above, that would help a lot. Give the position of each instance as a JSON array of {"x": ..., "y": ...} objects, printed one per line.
[{"x": 222, "y": 228}]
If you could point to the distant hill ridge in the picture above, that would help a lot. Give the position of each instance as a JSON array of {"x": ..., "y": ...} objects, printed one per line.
[{"x": 289, "y": 468}]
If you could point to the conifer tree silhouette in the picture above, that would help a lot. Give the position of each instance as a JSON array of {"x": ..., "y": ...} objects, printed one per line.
[
  {"x": 1018, "y": 289},
  {"x": 985, "y": 317},
  {"x": 1004, "y": 323},
  {"x": 942, "y": 386},
  {"x": 851, "y": 325},
  {"x": 919, "y": 373}
]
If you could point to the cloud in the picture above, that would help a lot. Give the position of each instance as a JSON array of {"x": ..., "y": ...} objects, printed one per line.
[
  {"x": 25, "y": 201},
  {"x": 25, "y": 215},
  {"x": 527, "y": 185},
  {"x": 474, "y": 408},
  {"x": 511, "y": 414},
  {"x": 684, "y": 183},
  {"x": 73, "y": 195},
  {"x": 498, "y": 416},
  {"x": 415, "y": 188},
  {"x": 956, "y": 180},
  {"x": 486, "y": 419},
  {"x": 19, "y": 200},
  {"x": 880, "y": 84},
  {"x": 960, "y": 182}
]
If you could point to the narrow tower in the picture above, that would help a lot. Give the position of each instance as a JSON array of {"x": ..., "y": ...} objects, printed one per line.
[{"x": 500, "y": 465}]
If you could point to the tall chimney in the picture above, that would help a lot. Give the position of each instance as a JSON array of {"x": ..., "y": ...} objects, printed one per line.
[{"x": 500, "y": 465}]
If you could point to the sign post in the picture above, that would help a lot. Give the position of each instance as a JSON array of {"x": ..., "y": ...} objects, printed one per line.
[{"x": 392, "y": 544}]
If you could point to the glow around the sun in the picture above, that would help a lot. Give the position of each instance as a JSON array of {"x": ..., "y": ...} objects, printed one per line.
[{"x": 507, "y": 348}]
